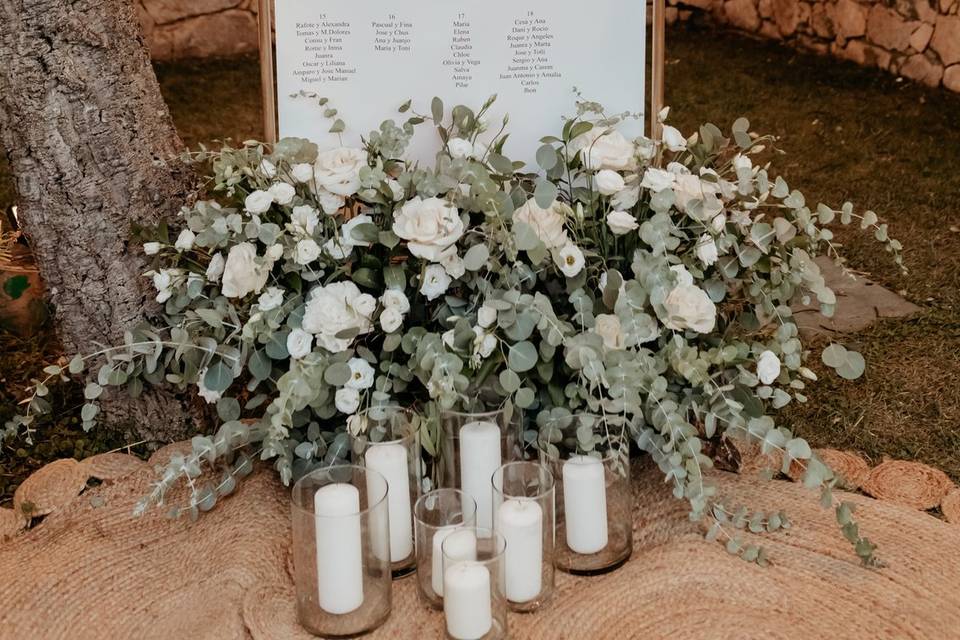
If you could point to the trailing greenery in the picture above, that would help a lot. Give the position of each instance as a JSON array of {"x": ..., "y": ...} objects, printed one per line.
[{"x": 647, "y": 284}]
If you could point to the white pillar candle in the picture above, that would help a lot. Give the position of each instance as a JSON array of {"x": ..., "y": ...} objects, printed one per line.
[
  {"x": 479, "y": 458},
  {"x": 520, "y": 522},
  {"x": 585, "y": 504},
  {"x": 392, "y": 462},
  {"x": 466, "y": 603},
  {"x": 463, "y": 547},
  {"x": 336, "y": 509}
]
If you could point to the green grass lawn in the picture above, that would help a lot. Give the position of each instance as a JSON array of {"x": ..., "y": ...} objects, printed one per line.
[{"x": 849, "y": 134}]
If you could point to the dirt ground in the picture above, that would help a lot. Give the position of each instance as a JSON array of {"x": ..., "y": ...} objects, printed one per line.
[{"x": 849, "y": 134}]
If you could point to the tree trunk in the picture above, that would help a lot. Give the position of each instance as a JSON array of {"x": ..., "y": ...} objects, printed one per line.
[{"x": 84, "y": 126}]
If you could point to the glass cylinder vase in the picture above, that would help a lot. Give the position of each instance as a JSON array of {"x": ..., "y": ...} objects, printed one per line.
[
  {"x": 340, "y": 527},
  {"x": 523, "y": 513},
  {"x": 594, "y": 501},
  {"x": 474, "y": 602},
  {"x": 436, "y": 515},
  {"x": 388, "y": 442},
  {"x": 472, "y": 447}
]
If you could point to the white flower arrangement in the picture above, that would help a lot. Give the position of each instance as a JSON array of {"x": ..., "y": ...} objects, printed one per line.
[{"x": 648, "y": 283}]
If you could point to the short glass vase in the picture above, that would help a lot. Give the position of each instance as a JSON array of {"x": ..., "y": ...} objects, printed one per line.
[
  {"x": 436, "y": 515},
  {"x": 340, "y": 529},
  {"x": 388, "y": 443},
  {"x": 524, "y": 514},
  {"x": 474, "y": 602}
]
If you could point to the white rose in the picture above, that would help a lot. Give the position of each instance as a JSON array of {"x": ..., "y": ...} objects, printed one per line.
[
  {"x": 657, "y": 180},
  {"x": 206, "y": 394},
  {"x": 454, "y": 266},
  {"x": 547, "y": 223},
  {"x": 185, "y": 240},
  {"x": 270, "y": 299},
  {"x": 435, "y": 282},
  {"x": 361, "y": 374},
  {"x": 338, "y": 170},
  {"x": 689, "y": 307},
  {"x": 258, "y": 202},
  {"x": 365, "y": 304},
  {"x": 430, "y": 227},
  {"x": 486, "y": 316},
  {"x": 395, "y": 299},
  {"x": 332, "y": 309},
  {"x": 609, "y": 182},
  {"x": 304, "y": 219},
  {"x": 346, "y": 230},
  {"x": 768, "y": 367},
  {"x": 274, "y": 252},
  {"x": 604, "y": 149},
  {"x": 347, "y": 400},
  {"x": 460, "y": 148},
  {"x": 608, "y": 327},
  {"x": 673, "y": 139},
  {"x": 299, "y": 343},
  {"x": 396, "y": 190},
  {"x": 215, "y": 268},
  {"x": 570, "y": 260},
  {"x": 707, "y": 250},
  {"x": 151, "y": 248},
  {"x": 621, "y": 222},
  {"x": 242, "y": 273},
  {"x": 302, "y": 172},
  {"x": 391, "y": 319},
  {"x": 282, "y": 193},
  {"x": 306, "y": 251},
  {"x": 337, "y": 248},
  {"x": 267, "y": 168},
  {"x": 330, "y": 202}
]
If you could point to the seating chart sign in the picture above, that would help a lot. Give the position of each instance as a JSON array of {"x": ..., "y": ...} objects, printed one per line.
[{"x": 370, "y": 56}]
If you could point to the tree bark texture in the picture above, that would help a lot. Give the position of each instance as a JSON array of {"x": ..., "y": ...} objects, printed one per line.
[{"x": 93, "y": 149}]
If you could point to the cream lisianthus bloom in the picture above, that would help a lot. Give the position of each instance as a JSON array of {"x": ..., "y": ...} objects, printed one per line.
[
  {"x": 768, "y": 367},
  {"x": 621, "y": 222},
  {"x": 258, "y": 202},
  {"x": 689, "y": 307},
  {"x": 335, "y": 308},
  {"x": 657, "y": 180},
  {"x": 707, "y": 250},
  {"x": 460, "y": 148},
  {"x": 435, "y": 282},
  {"x": 270, "y": 299},
  {"x": 338, "y": 170},
  {"x": 609, "y": 182},
  {"x": 609, "y": 328},
  {"x": 361, "y": 374},
  {"x": 302, "y": 172},
  {"x": 215, "y": 268},
  {"x": 306, "y": 251},
  {"x": 673, "y": 140},
  {"x": 282, "y": 193},
  {"x": 347, "y": 400},
  {"x": 304, "y": 220},
  {"x": 299, "y": 344},
  {"x": 390, "y": 319},
  {"x": 570, "y": 260},
  {"x": 185, "y": 240},
  {"x": 431, "y": 227},
  {"x": 602, "y": 148},
  {"x": 243, "y": 273},
  {"x": 547, "y": 223}
]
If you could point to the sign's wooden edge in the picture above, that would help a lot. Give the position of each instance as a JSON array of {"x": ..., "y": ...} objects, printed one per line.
[{"x": 269, "y": 87}]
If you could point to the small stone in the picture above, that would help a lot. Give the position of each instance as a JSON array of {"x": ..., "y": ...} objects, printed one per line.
[
  {"x": 946, "y": 39},
  {"x": 865, "y": 54},
  {"x": 919, "y": 68},
  {"x": 742, "y": 14},
  {"x": 786, "y": 13},
  {"x": 850, "y": 18},
  {"x": 821, "y": 22},
  {"x": 921, "y": 37},
  {"x": 769, "y": 30},
  {"x": 887, "y": 29},
  {"x": 951, "y": 78},
  {"x": 925, "y": 11}
]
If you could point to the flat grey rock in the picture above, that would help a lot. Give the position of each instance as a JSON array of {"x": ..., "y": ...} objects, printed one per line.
[{"x": 860, "y": 303}]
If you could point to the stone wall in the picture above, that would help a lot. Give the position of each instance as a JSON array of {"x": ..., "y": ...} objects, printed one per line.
[
  {"x": 198, "y": 28},
  {"x": 918, "y": 39}
]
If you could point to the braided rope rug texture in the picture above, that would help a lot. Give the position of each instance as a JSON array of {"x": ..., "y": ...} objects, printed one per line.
[{"x": 92, "y": 570}]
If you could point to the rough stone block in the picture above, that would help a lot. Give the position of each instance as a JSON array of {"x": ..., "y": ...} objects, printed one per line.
[
  {"x": 866, "y": 54},
  {"x": 919, "y": 68},
  {"x": 946, "y": 39},
  {"x": 821, "y": 22},
  {"x": 951, "y": 78},
  {"x": 921, "y": 37},
  {"x": 766, "y": 8},
  {"x": 742, "y": 14},
  {"x": 786, "y": 13},
  {"x": 850, "y": 18},
  {"x": 886, "y": 28}
]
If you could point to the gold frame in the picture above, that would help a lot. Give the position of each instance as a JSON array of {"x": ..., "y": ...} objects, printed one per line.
[{"x": 269, "y": 89}]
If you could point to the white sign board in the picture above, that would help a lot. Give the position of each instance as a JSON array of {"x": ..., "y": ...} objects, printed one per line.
[{"x": 369, "y": 56}]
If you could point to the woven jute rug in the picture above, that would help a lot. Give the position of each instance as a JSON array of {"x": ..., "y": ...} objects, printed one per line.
[{"x": 91, "y": 570}]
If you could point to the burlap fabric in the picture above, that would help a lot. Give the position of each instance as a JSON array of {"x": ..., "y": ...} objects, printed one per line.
[{"x": 91, "y": 570}]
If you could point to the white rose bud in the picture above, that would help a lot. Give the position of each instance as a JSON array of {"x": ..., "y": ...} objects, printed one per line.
[
  {"x": 215, "y": 268},
  {"x": 609, "y": 328},
  {"x": 267, "y": 168},
  {"x": 275, "y": 252},
  {"x": 609, "y": 182},
  {"x": 151, "y": 248},
  {"x": 347, "y": 400},
  {"x": 330, "y": 202},
  {"x": 302, "y": 172},
  {"x": 282, "y": 193},
  {"x": 673, "y": 139},
  {"x": 689, "y": 307},
  {"x": 299, "y": 343},
  {"x": 185, "y": 240},
  {"x": 258, "y": 202},
  {"x": 390, "y": 319},
  {"x": 241, "y": 273},
  {"x": 621, "y": 222},
  {"x": 768, "y": 367},
  {"x": 306, "y": 251},
  {"x": 707, "y": 250},
  {"x": 395, "y": 299},
  {"x": 486, "y": 316},
  {"x": 397, "y": 190}
]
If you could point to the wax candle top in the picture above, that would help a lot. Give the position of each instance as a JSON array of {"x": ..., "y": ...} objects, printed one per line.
[
  {"x": 388, "y": 453},
  {"x": 336, "y": 500},
  {"x": 479, "y": 431},
  {"x": 520, "y": 512},
  {"x": 468, "y": 575}
]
